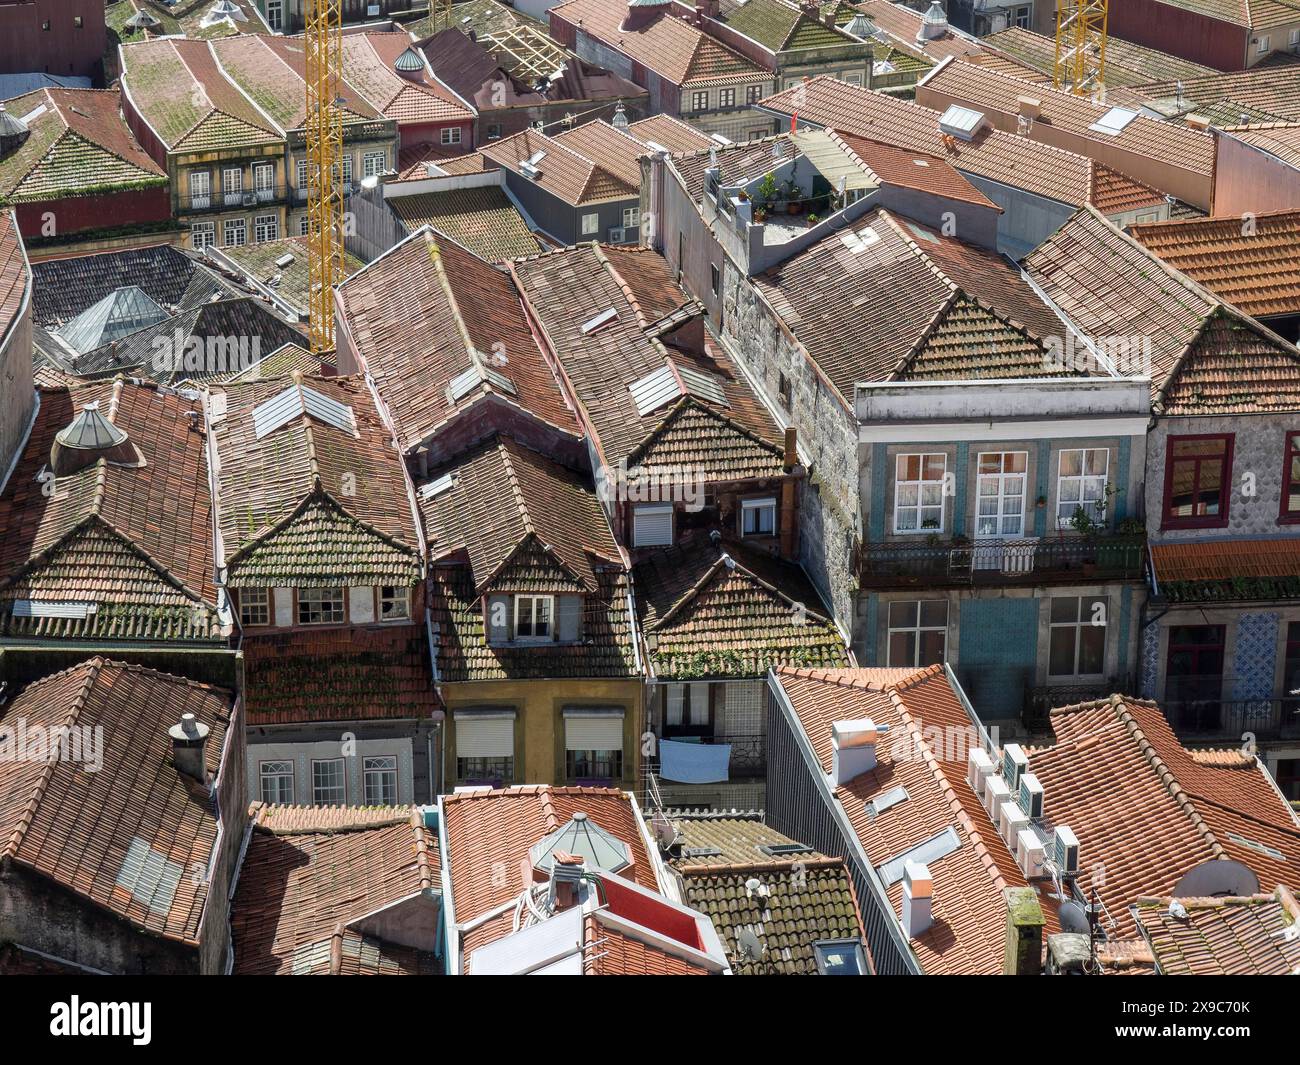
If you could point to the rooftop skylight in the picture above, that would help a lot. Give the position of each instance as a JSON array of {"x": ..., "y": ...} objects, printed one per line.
[
  {"x": 1113, "y": 122},
  {"x": 294, "y": 402}
]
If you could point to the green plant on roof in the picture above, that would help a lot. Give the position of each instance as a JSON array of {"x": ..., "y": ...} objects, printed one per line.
[{"x": 767, "y": 191}]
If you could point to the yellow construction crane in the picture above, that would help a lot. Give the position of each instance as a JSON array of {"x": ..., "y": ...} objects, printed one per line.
[
  {"x": 1080, "y": 46},
  {"x": 323, "y": 43}
]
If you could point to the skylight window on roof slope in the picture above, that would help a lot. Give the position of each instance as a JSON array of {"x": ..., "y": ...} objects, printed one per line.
[
  {"x": 672, "y": 381},
  {"x": 1113, "y": 122},
  {"x": 962, "y": 122},
  {"x": 295, "y": 401},
  {"x": 931, "y": 850},
  {"x": 467, "y": 380}
]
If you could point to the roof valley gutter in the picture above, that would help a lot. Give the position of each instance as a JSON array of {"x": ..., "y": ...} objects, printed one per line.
[{"x": 840, "y": 818}]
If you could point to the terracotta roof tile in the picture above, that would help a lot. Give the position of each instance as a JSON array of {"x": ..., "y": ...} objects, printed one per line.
[
  {"x": 483, "y": 220},
  {"x": 1126, "y": 63},
  {"x": 1225, "y": 560},
  {"x": 923, "y": 171},
  {"x": 1254, "y": 267},
  {"x": 93, "y": 832},
  {"x": 672, "y": 133},
  {"x": 611, "y": 952},
  {"x": 311, "y": 872},
  {"x": 1279, "y": 139},
  {"x": 565, "y": 171},
  {"x": 369, "y": 59},
  {"x": 1271, "y": 88},
  {"x": 1247, "y": 936}
]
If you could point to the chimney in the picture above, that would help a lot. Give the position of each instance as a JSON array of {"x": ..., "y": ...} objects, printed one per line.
[
  {"x": 566, "y": 877},
  {"x": 1030, "y": 106},
  {"x": 709, "y": 8},
  {"x": 853, "y": 748},
  {"x": 1069, "y": 954},
  {"x": 1201, "y": 122},
  {"x": 1024, "y": 946},
  {"x": 791, "y": 457},
  {"x": 189, "y": 736},
  {"x": 918, "y": 899}
]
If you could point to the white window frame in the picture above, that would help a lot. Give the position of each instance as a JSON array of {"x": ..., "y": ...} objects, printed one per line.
[
  {"x": 852, "y": 78},
  {"x": 318, "y": 595},
  {"x": 449, "y": 135},
  {"x": 654, "y": 508},
  {"x": 264, "y": 181},
  {"x": 341, "y": 786},
  {"x": 347, "y": 169},
  {"x": 1083, "y": 480},
  {"x": 231, "y": 228},
  {"x": 304, "y": 225},
  {"x": 373, "y": 163},
  {"x": 915, "y": 630},
  {"x": 275, "y": 14},
  {"x": 382, "y": 768},
  {"x": 232, "y": 186},
  {"x": 591, "y": 224},
  {"x": 206, "y": 230},
  {"x": 631, "y": 217},
  {"x": 392, "y": 595},
  {"x": 1002, "y": 496},
  {"x": 756, "y": 506},
  {"x": 266, "y": 227},
  {"x": 1081, "y": 621},
  {"x": 534, "y": 636},
  {"x": 276, "y": 769},
  {"x": 919, "y": 506},
  {"x": 1261, "y": 46},
  {"x": 247, "y": 600},
  {"x": 301, "y": 174},
  {"x": 200, "y": 182}
]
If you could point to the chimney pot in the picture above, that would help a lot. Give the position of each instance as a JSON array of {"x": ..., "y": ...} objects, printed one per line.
[{"x": 189, "y": 737}]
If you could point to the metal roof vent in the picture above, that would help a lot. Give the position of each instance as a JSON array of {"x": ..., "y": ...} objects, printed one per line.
[
  {"x": 620, "y": 117},
  {"x": 189, "y": 737},
  {"x": 861, "y": 26},
  {"x": 582, "y": 838},
  {"x": 142, "y": 20},
  {"x": 89, "y": 438},
  {"x": 13, "y": 131},
  {"x": 934, "y": 24}
]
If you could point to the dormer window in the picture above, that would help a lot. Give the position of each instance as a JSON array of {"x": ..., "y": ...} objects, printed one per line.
[
  {"x": 534, "y": 617},
  {"x": 652, "y": 525}
]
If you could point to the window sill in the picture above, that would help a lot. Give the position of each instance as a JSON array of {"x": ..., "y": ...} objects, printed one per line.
[{"x": 1193, "y": 523}]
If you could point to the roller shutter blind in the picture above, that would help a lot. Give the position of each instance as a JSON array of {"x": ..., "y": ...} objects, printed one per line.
[
  {"x": 489, "y": 734},
  {"x": 593, "y": 730}
]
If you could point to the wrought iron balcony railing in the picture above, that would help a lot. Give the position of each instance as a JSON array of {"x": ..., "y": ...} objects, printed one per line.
[{"x": 930, "y": 560}]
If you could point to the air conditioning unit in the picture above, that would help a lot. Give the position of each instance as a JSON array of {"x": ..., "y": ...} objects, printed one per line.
[
  {"x": 1029, "y": 853},
  {"x": 978, "y": 767},
  {"x": 996, "y": 793},
  {"x": 617, "y": 234},
  {"x": 1065, "y": 851},
  {"x": 1011, "y": 822},
  {"x": 1014, "y": 763},
  {"x": 1031, "y": 796}
]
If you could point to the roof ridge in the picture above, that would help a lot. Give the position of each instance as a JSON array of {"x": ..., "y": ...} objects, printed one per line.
[
  {"x": 1176, "y": 791},
  {"x": 643, "y": 322},
  {"x": 444, "y": 282},
  {"x": 422, "y": 849},
  {"x": 25, "y": 817}
]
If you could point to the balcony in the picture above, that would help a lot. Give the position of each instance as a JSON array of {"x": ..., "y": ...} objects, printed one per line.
[
  {"x": 1212, "y": 719},
  {"x": 1041, "y": 700},
  {"x": 935, "y": 562},
  {"x": 243, "y": 198}
]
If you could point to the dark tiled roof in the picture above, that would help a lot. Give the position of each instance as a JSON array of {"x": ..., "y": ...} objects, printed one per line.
[
  {"x": 307, "y": 878},
  {"x": 310, "y": 504},
  {"x": 429, "y": 310},
  {"x": 338, "y": 674},
  {"x": 126, "y": 837},
  {"x": 483, "y": 220},
  {"x": 257, "y": 266},
  {"x": 569, "y": 288},
  {"x": 135, "y": 540},
  {"x": 710, "y": 612},
  {"x": 66, "y": 287},
  {"x": 1249, "y": 936}
]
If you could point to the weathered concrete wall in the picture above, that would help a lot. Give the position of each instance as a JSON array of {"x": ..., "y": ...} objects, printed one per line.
[
  {"x": 1257, "y": 456},
  {"x": 829, "y": 521},
  {"x": 44, "y": 916}
]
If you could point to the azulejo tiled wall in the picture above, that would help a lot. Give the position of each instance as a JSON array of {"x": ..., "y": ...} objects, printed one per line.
[{"x": 1255, "y": 661}]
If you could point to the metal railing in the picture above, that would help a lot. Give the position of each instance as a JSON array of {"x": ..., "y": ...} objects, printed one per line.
[
  {"x": 245, "y": 197},
  {"x": 1042, "y": 699},
  {"x": 1002, "y": 561},
  {"x": 1275, "y": 718}
]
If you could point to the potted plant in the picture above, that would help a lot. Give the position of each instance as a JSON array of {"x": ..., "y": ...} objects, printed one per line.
[
  {"x": 767, "y": 191},
  {"x": 742, "y": 196},
  {"x": 813, "y": 220},
  {"x": 760, "y": 215},
  {"x": 1092, "y": 524}
]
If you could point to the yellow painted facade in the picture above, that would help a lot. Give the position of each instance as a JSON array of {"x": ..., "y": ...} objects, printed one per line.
[{"x": 539, "y": 721}]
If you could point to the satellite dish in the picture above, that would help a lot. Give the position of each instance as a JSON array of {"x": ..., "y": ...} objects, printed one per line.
[
  {"x": 1074, "y": 918},
  {"x": 665, "y": 833},
  {"x": 1216, "y": 877},
  {"x": 748, "y": 945}
]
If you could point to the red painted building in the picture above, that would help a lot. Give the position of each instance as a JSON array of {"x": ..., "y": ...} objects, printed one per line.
[
  {"x": 1236, "y": 36},
  {"x": 65, "y": 37}
]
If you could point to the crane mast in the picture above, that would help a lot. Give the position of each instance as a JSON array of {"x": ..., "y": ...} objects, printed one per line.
[
  {"x": 1080, "y": 66},
  {"x": 323, "y": 45}
]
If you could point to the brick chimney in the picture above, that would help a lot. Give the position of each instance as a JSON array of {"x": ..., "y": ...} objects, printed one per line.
[
  {"x": 566, "y": 877},
  {"x": 1024, "y": 937}
]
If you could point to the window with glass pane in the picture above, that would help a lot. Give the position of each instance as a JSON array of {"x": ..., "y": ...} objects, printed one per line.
[
  {"x": 1077, "y": 645},
  {"x": 1196, "y": 480},
  {"x": 254, "y": 606},
  {"x": 1291, "y": 477},
  {"x": 1194, "y": 676},
  {"x": 533, "y": 615},
  {"x": 277, "y": 782},
  {"x": 393, "y": 603},
  {"x": 1000, "y": 488},
  {"x": 380, "y": 775},
  {"x": 918, "y": 492},
  {"x": 594, "y": 765},
  {"x": 373, "y": 163},
  {"x": 1081, "y": 483},
  {"x": 758, "y": 517},
  {"x": 328, "y": 782},
  {"x": 918, "y": 632},
  {"x": 495, "y": 771},
  {"x": 320, "y": 606}
]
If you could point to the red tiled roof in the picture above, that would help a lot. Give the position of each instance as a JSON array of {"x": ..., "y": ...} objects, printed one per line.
[
  {"x": 992, "y": 154},
  {"x": 1247, "y": 936},
  {"x": 311, "y": 873},
  {"x": 915, "y": 170},
  {"x": 1254, "y": 267},
  {"x": 1225, "y": 560},
  {"x": 615, "y": 150},
  {"x": 672, "y": 133},
  {"x": 126, "y": 837},
  {"x": 488, "y": 834},
  {"x": 665, "y": 43},
  {"x": 369, "y": 59},
  {"x": 134, "y": 539},
  {"x": 903, "y": 23},
  {"x": 426, "y": 311},
  {"x": 568, "y": 288},
  {"x": 1281, "y": 139},
  {"x": 969, "y": 910},
  {"x": 608, "y": 951},
  {"x": 564, "y": 171}
]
